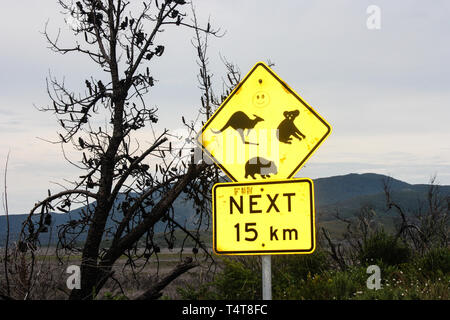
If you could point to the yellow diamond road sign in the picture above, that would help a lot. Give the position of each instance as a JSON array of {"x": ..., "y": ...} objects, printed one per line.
[
  {"x": 264, "y": 129},
  {"x": 264, "y": 217}
]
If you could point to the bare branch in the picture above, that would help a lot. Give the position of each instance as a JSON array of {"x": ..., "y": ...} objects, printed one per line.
[
  {"x": 155, "y": 291},
  {"x": 5, "y": 206}
]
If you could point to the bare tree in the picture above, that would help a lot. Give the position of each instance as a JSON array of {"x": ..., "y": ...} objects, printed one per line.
[
  {"x": 117, "y": 182},
  {"x": 421, "y": 229},
  {"x": 7, "y": 292},
  {"x": 428, "y": 226},
  {"x": 357, "y": 230}
]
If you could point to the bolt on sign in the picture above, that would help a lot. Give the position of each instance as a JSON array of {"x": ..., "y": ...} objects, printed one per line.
[
  {"x": 264, "y": 217},
  {"x": 263, "y": 130}
]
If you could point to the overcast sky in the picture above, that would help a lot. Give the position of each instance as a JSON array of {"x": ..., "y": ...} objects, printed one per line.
[{"x": 385, "y": 92}]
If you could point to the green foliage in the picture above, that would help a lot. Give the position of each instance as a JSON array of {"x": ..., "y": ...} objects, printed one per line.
[
  {"x": 300, "y": 266},
  {"x": 329, "y": 285},
  {"x": 239, "y": 279},
  {"x": 195, "y": 292},
  {"x": 289, "y": 271},
  {"x": 384, "y": 249},
  {"x": 409, "y": 282},
  {"x": 299, "y": 277},
  {"x": 435, "y": 262},
  {"x": 332, "y": 285},
  {"x": 110, "y": 296}
]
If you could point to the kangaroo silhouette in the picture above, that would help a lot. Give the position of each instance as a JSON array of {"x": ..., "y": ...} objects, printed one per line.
[{"x": 239, "y": 121}]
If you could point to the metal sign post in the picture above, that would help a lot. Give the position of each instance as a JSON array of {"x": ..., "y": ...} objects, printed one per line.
[{"x": 266, "y": 264}]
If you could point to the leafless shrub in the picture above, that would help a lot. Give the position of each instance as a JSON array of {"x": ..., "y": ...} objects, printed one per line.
[{"x": 116, "y": 181}]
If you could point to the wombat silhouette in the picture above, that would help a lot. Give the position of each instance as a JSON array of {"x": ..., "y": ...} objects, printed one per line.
[
  {"x": 261, "y": 166},
  {"x": 239, "y": 121},
  {"x": 287, "y": 128}
]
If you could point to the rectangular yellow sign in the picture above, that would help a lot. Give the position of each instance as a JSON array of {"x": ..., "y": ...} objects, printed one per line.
[{"x": 264, "y": 217}]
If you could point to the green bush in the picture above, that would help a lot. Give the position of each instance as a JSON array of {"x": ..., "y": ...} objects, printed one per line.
[
  {"x": 196, "y": 292},
  {"x": 300, "y": 266},
  {"x": 312, "y": 277},
  {"x": 288, "y": 271},
  {"x": 239, "y": 279},
  {"x": 110, "y": 296},
  {"x": 331, "y": 285},
  {"x": 382, "y": 248},
  {"x": 435, "y": 261}
]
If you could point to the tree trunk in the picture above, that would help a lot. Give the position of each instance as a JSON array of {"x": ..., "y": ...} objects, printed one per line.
[{"x": 90, "y": 274}]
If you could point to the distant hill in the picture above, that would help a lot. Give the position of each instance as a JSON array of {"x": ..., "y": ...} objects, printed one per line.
[
  {"x": 348, "y": 193},
  {"x": 184, "y": 213},
  {"x": 340, "y": 188}
]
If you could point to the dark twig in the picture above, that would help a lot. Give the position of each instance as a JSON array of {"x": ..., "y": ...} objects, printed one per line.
[
  {"x": 155, "y": 291},
  {"x": 336, "y": 254},
  {"x": 5, "y": 203}
]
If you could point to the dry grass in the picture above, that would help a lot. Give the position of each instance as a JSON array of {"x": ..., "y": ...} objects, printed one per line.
[{"x": 49, "y": 276}]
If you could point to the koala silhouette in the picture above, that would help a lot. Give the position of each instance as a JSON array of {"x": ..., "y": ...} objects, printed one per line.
[{"x": 287, "y": 128}]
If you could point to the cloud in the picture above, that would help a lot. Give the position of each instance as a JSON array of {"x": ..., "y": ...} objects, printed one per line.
[{"x": 384, "y": 92}]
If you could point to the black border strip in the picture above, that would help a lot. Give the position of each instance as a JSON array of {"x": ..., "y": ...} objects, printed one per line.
[
  {"x": 288, "y": 89},
  {"x": 237, "y": 184},
  {"x": 272, "y": 309}
]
